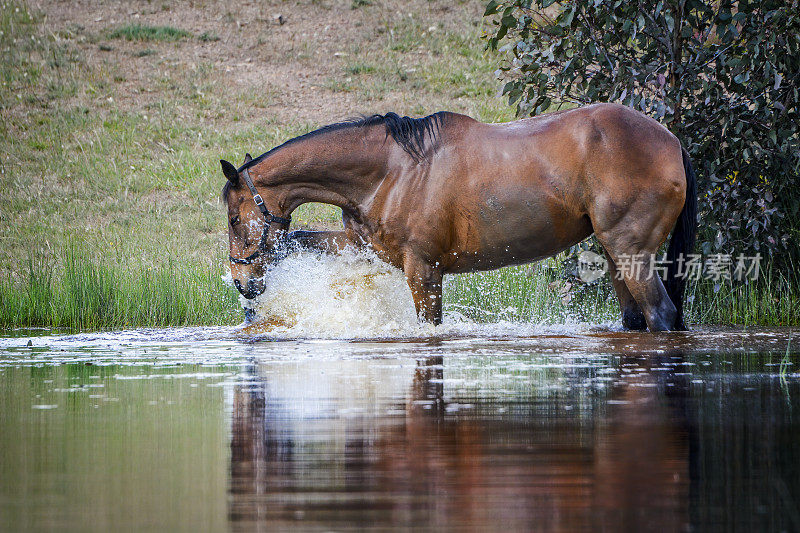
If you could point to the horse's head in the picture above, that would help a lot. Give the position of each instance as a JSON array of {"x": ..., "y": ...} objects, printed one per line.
[{"x": 252, "y": 230}]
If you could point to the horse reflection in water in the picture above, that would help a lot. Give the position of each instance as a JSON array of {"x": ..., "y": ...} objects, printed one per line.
[{"x": 619, "y": 460}]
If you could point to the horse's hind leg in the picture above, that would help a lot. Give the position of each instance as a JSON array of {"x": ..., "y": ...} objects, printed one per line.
[
  {"x": 647, "y": 290},
  {"x": 632, "y": 316},
  {"x": 631, "y": 242},
  {"x": 651, "y": 295}
]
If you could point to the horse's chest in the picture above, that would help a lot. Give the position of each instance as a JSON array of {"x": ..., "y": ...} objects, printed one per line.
[{"x": 384, "y": 243}]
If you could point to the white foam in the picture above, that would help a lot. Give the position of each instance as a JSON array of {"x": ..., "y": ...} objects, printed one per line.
[
  {"x": 352, "y": 294},
  {"x": 356, "y": 295}
]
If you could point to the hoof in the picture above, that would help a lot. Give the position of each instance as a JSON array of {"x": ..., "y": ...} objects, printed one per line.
[
  {"x": 249, "y": 315},
  {"x": 633, "y": 319}
]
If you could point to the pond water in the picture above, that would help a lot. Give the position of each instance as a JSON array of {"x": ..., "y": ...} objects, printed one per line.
[{"x": 555, "y": 428}]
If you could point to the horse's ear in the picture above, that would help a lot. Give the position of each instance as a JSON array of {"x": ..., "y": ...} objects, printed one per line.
[
  {"x": 247, "y": 158},
  {"x": 230, "y": 172}
]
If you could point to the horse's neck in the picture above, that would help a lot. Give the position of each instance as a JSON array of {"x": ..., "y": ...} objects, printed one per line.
[{"x": 341, "y": 168}]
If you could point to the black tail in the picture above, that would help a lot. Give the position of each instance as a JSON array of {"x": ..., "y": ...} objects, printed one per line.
[{"x": 682, "y": 242}]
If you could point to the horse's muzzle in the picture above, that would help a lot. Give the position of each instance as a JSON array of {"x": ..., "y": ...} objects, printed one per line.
[{"x": 253, "y": 288}]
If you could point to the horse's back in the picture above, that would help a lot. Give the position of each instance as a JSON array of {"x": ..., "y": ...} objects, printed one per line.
[
  {"x": 579, "y": 134},
  {"x": 580, "y": 153}
]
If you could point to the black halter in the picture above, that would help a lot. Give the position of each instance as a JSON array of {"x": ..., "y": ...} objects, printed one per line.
[{"x": 269, "y": 217}]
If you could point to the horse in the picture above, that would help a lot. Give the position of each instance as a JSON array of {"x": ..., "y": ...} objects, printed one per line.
[{"x": 447, "y": 193}]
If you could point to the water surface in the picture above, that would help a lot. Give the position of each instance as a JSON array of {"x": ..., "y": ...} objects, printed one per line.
[{"x": 480, "y": 429}]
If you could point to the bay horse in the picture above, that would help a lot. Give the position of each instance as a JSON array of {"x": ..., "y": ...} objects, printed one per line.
[{"x": 449, "y": 194}]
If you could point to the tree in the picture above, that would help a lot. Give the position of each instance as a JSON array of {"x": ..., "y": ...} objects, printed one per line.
[{"x": 724, "y": 76}]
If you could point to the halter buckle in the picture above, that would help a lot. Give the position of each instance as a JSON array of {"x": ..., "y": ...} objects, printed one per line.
[{"x": 258, "y": 200}]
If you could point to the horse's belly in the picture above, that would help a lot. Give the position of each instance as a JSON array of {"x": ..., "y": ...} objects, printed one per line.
[
  {"x": 514, "y": 234},
  {"x": 492, "y": 258}
]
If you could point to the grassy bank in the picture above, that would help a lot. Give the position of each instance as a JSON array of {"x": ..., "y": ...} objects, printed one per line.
[
  {"x": 113, "y": 132},
  {"x": 538, "y": 293},
  {"x": 772, "y": 300},
  {"x": 113, "y": 119},
  {"x": 76, "y": 292},
  {"x": 528, "y": 293}
]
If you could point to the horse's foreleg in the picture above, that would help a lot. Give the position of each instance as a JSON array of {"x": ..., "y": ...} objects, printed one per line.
[
  {"x": 425, "y": 282},
  {"x": 632, "y": 316},
  {"x": 321, "y": 241}
]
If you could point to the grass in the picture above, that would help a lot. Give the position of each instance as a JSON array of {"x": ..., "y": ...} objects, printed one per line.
[
  {"x": 539, "y": 293},
  {"x": 785, "y": 362},
  {"x": 208, "y": 37},
  {"x": 78, "y": 292},
  {"x": 528, "y": 293},
  {"x": 142, "y": 32},
  {"x": 128, "y": 159},
  {"x": 773, "y": 299}
]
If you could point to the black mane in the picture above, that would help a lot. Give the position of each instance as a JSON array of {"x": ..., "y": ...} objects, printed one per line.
[{"x": 408, "y": 132}]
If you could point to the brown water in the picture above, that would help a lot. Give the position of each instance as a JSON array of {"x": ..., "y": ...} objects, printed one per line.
[{"x": 209, "y": 429}]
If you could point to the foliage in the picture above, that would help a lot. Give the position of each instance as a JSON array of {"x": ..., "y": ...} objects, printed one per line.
[{"x": 723, "y": 75}]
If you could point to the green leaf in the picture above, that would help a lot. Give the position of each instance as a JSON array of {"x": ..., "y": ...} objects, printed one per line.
[
  {"x": 568, "y": 16},
  {"x": 500, "y": 34},
  {"x": 508, "y": 20},
  {"x": 491, "y": 8}
]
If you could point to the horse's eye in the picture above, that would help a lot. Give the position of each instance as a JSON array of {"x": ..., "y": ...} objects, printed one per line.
[{"x": 235, "y": 220}]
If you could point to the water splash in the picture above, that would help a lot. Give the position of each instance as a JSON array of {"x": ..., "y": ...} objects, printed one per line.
[
  {"x": 356, "y": 295},
  {"x": 352, "y": 294}
]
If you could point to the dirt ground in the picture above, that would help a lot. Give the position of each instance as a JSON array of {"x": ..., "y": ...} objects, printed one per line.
[{"x": 286, "y": 52}]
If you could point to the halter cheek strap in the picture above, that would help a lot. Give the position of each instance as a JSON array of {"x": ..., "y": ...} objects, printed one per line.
[{"x": 268, "y": 217}]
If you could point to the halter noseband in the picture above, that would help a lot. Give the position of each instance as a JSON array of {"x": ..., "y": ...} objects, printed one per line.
[{"x": 269, "y": 217}]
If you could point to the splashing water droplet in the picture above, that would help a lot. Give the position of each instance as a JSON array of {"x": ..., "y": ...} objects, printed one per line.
[{"x": 353, "y": 294}]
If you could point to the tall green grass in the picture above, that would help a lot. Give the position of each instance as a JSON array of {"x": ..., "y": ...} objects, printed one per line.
[
  {"x": 771, "y": 300},
  {"x": 528, "y": 293},
  {"x": 539, "y": 293},
  {"x": 77, "y": 292}
]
